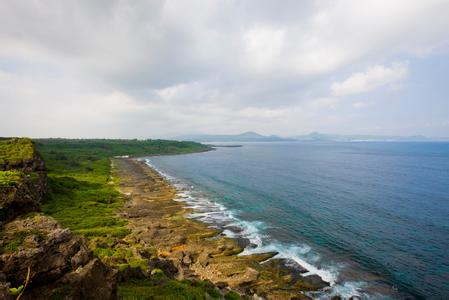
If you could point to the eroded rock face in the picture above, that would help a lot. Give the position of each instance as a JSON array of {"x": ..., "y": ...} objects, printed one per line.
[
  {"x": 92, "y": 281},
  {"x": 56, "y": 258},
  {"x": 22, "y": 198},
  {"x": 27, "y": 195},
  {"x": 20, "y": 154}
]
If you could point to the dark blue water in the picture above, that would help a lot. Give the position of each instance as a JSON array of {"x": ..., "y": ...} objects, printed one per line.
[{"x": 374, "y": 215}]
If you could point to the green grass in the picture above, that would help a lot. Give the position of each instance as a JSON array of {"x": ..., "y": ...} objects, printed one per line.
[
  {"x": 82, "y": 198},
  {"x": 78, "y": 155},
  {"x": 79, "y": 172},
  {"x": 10, "y": 178},
  {"x": 85, "y": 203},
  {"x": 16, "y": 150},
  {"x": 167, "y": 290},
  {"x": 232, "y": 296}
]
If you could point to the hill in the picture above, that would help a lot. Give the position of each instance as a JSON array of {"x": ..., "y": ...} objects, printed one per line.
[{"x": 248, "y": 136}]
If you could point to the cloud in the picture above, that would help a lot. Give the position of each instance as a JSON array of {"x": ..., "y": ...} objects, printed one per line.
[
  {"x": 323, "y": 103},
  {"x": 359, "y": 104},
  {"x": 263, "y": 47},
  {"x": 373, "y": 78},
  {"x": 154, "y": 68}
]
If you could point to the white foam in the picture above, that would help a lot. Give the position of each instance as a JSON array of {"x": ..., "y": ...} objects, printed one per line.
[
  {"x": 217, "y": 215},
  {"x": 296, "y": 253},
  {"x": 345, "y": 290}
]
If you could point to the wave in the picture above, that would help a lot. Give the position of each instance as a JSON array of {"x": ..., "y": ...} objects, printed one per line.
[{"x": 218, "y": 216}]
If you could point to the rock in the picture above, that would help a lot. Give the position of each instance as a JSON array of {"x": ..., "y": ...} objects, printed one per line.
[
  {"x": 31, "y": 241},
  {"x": 261, "y": 257},
  {"x": 81, "y": 257},
  {"x": 31, "y": 163},
  {"x": 256, "y": 297},
  {"x": 4, "y": 288},
  {"x": 24, "y": 197},
  {"x": 187, "y": 260},
  {"x": 203, "y": 258},
  {"x": 131, "y": 273},
  {"x": 167, "y": 266},
  {"x": 26, "y": 194},
  {"x": 93, "y": 281},
  {"x": 4, "y": 291},
  {"x": 221, "y": 285},
  {"x": 315, "y": 281},
  {"x": 248, "y": 276},
  {"x": 56, "y": 259},
  {"x": 243, "y": 242},
  {"x": 177, "y": 256},
  {"x": 49, "y": 255}
]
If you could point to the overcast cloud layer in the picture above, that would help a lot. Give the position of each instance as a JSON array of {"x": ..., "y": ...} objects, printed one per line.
[{"x": 165, "y": 68}]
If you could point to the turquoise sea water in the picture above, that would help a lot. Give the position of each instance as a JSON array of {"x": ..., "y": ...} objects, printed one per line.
[{"x": 371, "y": 218}]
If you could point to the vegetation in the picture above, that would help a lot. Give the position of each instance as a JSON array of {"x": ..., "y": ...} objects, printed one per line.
[
  {"x": 83, "y": 198},
  {"x": 232, "y": 296},
  {"x": 17, "y": 240},
  {"x": 156, "y": 288},
  {"x": 10, "y": 178},
  {"x": 16, "y": 150},
  {"x": 79, "y": 175}
]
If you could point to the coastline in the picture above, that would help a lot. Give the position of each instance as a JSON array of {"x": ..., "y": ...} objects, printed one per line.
[{"x": 158, "y": 220}]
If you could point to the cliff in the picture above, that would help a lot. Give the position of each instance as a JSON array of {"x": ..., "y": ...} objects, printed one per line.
[
  {"x": 23, "y": 180},
  {"x": 37, "y": 257}
]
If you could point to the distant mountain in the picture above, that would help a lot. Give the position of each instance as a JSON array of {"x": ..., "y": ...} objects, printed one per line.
[
  {"x": 243, "y": 137},
  {"x": 316, "y": 136}
]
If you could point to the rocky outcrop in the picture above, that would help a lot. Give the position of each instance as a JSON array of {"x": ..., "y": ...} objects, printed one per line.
[
  {"x": 27, "y": 193},
  {"x": 59, "y": 264},
  {"x": 20, "y": 154},
  {"x": 23, "y": 197},
  {"x": 31, "y": 164},
  {"x": 59, "y": 261}
]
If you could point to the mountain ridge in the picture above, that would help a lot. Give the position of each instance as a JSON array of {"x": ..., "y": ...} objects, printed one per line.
[{"x": 251, "y": 136}]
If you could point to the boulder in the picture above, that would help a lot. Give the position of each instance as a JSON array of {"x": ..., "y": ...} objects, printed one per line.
[
  {"x": 167, "y": 266},
  {"x": 315, "y": 281},
  {"x": 92, "y": 281},
  {"x": 130, "y": 273},
  {"x": 248, "y": 276},
  {"x": 56, "y": 258},
  {"x": 42, "y": 245}
]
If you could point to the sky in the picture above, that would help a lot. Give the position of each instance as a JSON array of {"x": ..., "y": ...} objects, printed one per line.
[{"x": 152, "y": 69}]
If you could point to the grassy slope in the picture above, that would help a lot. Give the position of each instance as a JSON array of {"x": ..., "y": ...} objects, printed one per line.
[{"x": 81, "y": 198}]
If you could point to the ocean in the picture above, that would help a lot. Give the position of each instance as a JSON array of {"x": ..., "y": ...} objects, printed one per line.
[{"x": 371, "y": 218}]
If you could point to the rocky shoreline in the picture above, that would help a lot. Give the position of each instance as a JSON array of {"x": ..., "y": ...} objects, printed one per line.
[
  {"x": 187, "y": 249},
  {"x": 155, "y": 250}
]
